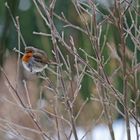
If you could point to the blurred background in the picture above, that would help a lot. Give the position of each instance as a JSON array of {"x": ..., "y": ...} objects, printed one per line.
[{"x": 89, "y": 96}]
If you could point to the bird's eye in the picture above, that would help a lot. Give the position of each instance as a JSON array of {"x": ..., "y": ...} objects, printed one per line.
[{"x": 28, "y": 55}]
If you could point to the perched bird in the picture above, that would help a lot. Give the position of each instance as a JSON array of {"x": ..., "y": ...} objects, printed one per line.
[{"x": 35, "y": 60}]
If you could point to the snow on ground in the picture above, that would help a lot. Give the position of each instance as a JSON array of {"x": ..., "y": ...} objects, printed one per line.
[{"x": 101, "y": 131}]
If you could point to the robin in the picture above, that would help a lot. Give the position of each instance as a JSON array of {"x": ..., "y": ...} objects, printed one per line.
[{"x": 35, "y": 60}]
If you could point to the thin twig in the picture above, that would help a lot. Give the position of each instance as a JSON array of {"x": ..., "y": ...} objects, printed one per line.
[{"x": 29, "y": 112}]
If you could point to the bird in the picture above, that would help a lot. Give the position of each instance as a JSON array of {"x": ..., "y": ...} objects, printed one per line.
[{"x": 35, "y": 60}]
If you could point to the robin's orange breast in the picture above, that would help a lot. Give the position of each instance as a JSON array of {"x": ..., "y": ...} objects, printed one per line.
[{"x": 27, "y": 56}]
